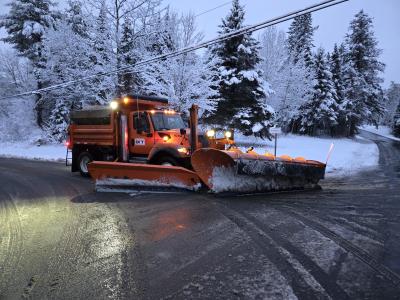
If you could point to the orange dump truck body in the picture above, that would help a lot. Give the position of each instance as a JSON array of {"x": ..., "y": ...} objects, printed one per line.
[{"x": 104, "y": 133}]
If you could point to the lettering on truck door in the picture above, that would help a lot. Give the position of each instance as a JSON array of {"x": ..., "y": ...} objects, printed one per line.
[{"x": 142, "y": 134}]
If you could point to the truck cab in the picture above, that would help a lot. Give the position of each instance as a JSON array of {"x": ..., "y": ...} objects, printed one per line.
[
  {"x": 158, "y": 136},
  {"x": 147, "y": 128},
  {"x": 134, "y": 128}
]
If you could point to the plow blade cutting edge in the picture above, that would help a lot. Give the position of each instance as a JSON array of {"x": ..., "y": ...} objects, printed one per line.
[
  {"x": 125, "y": 176},
  {"x": 234, "y": 171}
]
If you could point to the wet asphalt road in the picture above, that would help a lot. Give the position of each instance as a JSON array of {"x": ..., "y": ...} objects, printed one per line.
[{"x": 60, "y": 240}]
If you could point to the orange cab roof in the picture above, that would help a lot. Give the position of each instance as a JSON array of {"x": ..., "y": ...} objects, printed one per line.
[{"x": 142, "y": 102}]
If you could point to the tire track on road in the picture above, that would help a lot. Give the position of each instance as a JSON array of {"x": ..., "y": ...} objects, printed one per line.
[
  {"x": 323, "y": 279},
  {"x": 301, "y": 287},
  {"x": 351, "y": 225},
  {"x": 363, "y": 255}
]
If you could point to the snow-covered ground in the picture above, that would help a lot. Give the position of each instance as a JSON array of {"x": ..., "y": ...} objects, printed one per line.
[
  {"x": 381, "y": 130},
  {"x": 53, "y": 152},
  {"x": 348, "y": 156}
]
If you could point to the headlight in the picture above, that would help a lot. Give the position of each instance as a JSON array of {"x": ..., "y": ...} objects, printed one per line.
[
  {"x": 210, "y": 133},
  {"x": 228, "y": 134},
  {"x": 182, "y": 150},
  {"x": 114, "y": 105},
  {"x": 166, "y": 138}
]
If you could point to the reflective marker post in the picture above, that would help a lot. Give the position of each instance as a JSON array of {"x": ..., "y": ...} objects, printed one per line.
[{"x": 275, "y": 131}]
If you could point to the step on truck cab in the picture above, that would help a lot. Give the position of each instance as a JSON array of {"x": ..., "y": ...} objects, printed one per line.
[{"x": 136, "y": 129}]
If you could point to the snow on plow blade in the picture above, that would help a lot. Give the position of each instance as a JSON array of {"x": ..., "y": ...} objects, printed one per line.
[
  {"x": 234, "y": 171},
  {"x": 129, "y": 176}
]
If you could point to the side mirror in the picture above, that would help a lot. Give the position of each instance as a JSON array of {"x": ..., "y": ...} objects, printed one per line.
[{"x": 182, "y": 131}]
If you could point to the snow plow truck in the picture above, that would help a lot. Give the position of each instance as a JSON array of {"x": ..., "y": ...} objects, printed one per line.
[{"x": 139, "y": 141}]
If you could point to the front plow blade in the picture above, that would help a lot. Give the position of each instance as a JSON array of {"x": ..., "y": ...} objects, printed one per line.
[
  {"x": 232, "y": 171},
  {"x": 129, "y": 176}
]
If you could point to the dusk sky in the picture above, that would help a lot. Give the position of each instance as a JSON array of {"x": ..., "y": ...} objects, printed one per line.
[{"x": 333, "y": 22}]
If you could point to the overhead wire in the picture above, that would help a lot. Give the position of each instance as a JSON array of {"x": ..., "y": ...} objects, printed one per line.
[
  {"x": 212, "y": 9},
  {"x": 221, "y": 38}
]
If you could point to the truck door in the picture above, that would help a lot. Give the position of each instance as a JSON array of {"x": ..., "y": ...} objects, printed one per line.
[{"x": 142, "y": 135}]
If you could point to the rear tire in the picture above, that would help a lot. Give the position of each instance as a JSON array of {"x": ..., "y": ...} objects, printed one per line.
[
  {"x": 167, "y": 161},
  {"x": 83, "y": 159}
]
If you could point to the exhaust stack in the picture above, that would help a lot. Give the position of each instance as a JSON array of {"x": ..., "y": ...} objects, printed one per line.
[
  {"x": 124, "y": 138},
  {"x": 193, "y": 127}
]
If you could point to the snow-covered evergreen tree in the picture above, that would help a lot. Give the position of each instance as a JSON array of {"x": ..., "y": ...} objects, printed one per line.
[
  {"x": 337, "y": 63},
  {"x": 242, "y": 89},
  {"x": 396, "y": 122},
  {"x": 297, "y": 73},
  {"x": 103, "y": 58},
  {"x": 129, "y": 54},
  {"x": 319, "y": 115},
  {"x": 392, "y": 101},
  {"x": 25, "y": 24},
  {"x": 300, "y": 38},
  {"x": 58, "y": 122},
  {"x": 76, "y": 18},
  {"x": 162, "y": 42},
  {"x": 364, "y": 94}
]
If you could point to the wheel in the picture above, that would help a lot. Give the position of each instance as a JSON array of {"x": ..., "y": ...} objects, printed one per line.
[
  {"x": 167, "y": 161},
  {"x": 83, "y": 159}
]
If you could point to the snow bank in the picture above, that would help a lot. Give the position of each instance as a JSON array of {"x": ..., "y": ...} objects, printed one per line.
[
  {"x": 381, "y": 130},
  {"x": 348, "y": 157},
  {"x": 19, "y": 135},
  {"x": 52, "y": 152}
]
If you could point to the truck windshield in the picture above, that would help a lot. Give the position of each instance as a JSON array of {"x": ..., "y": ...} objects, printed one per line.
[{"x": 163, "y": 121}]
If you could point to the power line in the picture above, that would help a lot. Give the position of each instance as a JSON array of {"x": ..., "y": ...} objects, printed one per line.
[
  {"x": 212, "y": 9},
  {"x": 239, "y": 32}
]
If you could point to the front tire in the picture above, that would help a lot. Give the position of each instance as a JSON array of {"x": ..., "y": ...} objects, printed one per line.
[
  {"x": 167, "y": 161},
  {"x": 83, "y": 159}
]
